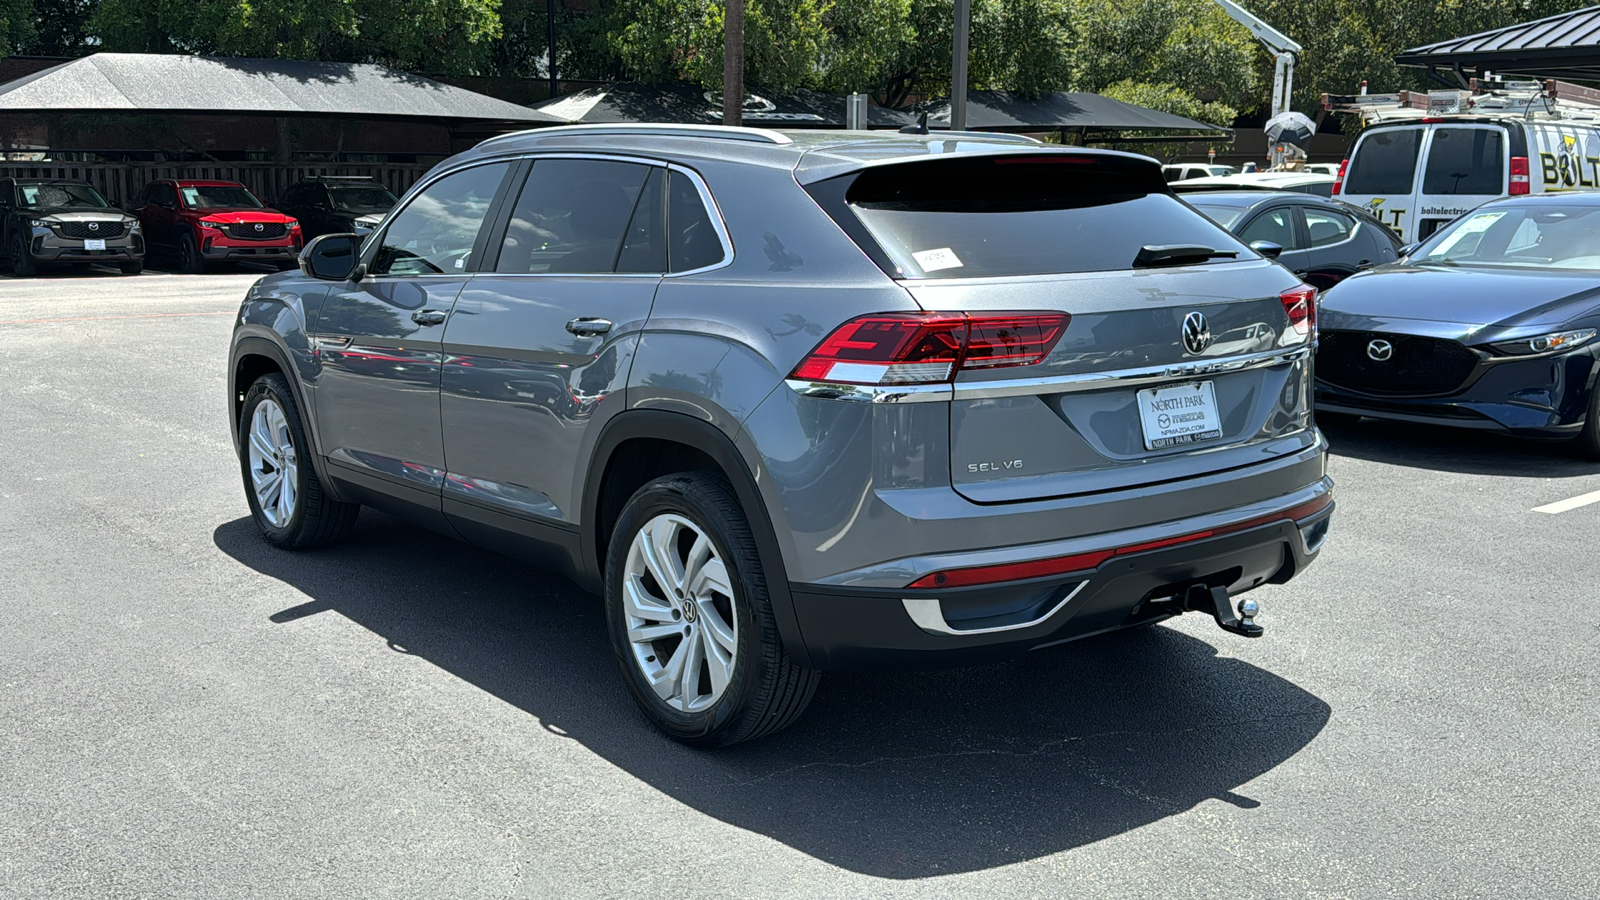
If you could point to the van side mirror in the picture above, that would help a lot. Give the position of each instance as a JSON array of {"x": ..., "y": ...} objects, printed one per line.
[
  {"x": 1267, "y": 248},
  {"x": 331, "y": 257}
]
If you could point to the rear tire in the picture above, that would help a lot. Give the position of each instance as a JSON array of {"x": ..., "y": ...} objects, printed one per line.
[
  {"x": 132, "y": 268},
  {"x": 23, "y": 265},
  {"x": 701, "y": 655},
  {"x": 287, "y": 500},
  {"x": 190, "y": 261}
]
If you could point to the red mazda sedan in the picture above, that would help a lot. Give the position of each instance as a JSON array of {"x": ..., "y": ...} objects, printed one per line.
[{"x": 205, "y": 222}]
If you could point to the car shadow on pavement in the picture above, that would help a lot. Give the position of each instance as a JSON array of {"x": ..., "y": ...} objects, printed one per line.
[
  {"x": 1453, "y": 449},
  {"x": 897, "y": 775}
]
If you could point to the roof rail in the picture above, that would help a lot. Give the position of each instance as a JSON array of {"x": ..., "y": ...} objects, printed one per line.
[{"x": 714, "y": 132}]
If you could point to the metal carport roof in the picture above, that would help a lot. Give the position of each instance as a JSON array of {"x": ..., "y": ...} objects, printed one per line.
[
  {"x": 1564, "y": 46},
  {"x": 149, "y": 82},
  {"x": 1088, "y": 114}
]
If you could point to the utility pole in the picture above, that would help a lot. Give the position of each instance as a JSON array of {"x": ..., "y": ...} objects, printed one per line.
[
  {"x": 733, "y": 63},
  {"x": 958, "y": 67}
]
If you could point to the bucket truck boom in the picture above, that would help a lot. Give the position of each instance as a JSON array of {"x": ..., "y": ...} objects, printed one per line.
[{"x": 1284, "y": 51}]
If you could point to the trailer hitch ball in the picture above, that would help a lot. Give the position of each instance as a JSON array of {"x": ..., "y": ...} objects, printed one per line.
[
  {"x": 1247, "y": 612},
  {"x": 1214, "y": 600}
]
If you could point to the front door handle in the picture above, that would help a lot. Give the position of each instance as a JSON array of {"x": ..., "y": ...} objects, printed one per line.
[
  {"x": 587, "y": 326},
  {"x": 428, "y": 317}
]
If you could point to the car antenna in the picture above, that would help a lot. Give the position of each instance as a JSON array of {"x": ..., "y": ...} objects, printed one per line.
[{"x": 920, "y": 128}]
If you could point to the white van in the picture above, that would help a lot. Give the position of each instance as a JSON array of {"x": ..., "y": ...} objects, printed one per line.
[{"x": 1416, "y": 175}]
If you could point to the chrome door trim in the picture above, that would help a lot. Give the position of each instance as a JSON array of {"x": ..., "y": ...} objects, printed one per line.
[{"x": 927, "y": 614}]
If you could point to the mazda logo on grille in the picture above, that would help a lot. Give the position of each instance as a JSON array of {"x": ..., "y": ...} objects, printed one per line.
[
  {"x": 260, "y": 227},
  {"x": 1379, "y": 350},
  {"x": 94, "y": 226},
  {"x": 1196, "y": 334}
]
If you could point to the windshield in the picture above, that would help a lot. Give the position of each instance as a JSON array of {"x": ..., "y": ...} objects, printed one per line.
[
  {"x": 362, "y": 198},
  {"x": 217, "y": 196},
  {"x": 1222, "y": 215},
  {"x": 1544, "y": 236},
  {"x": 1010, "y": 216},
  {"x": 59, "y": 195}
]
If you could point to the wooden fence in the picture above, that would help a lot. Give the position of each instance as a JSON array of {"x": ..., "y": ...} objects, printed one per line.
[{"x": 121, "y": 182}]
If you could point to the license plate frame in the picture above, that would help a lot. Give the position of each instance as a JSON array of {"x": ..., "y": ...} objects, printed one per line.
[{"x": 1179, "y": 415}]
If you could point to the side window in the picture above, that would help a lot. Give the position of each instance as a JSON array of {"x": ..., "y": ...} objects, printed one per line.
[
  {"x": 1325, "y": 226},
  {"x": 644, "y": 247},
  {"x": 6, "y": 189},
  {"x": 294, "y": 195},
  {"x": 1275, "y": 225},
  {"x": 165, "y": 194},
  {"x": 572, "y": 216},
  {"x": 435, "y": 233},
  {"x": 692, "y": 241}
]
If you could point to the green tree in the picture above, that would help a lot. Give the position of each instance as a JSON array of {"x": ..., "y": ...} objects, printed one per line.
[{"x": 16, "y": 25}]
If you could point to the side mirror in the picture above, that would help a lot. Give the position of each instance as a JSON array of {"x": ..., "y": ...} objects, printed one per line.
[
  {"x": 1267, "y": 248},
  {"x": 331, "y": 257},
  {"x": 1407, "y": 249}
]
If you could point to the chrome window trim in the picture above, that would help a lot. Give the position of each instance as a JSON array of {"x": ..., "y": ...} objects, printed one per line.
[
  {"x": 1091, "y": 381},
  {"x": 715, "y": 212}
]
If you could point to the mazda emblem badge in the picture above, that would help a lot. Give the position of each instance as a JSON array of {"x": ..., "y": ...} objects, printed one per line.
[
  {"x": 1379, "y": 350},
  {"x": 260, "y": 227},
  {"x": 1196, "y": 334},
  {"x": 94, "y": 226}
]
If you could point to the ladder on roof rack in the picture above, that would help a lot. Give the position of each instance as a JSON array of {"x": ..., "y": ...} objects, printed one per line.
[{"x": 1488, "y": 97}]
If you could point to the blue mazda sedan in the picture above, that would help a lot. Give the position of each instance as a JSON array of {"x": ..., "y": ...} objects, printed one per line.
[{"x": 1489, "y": 324}]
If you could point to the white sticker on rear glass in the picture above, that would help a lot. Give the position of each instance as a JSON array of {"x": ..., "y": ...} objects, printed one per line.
[{"x": 934, "y": 260}]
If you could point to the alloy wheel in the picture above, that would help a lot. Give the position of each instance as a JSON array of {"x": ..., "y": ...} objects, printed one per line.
[
  {"x": 679, "y": 605},
  {"x": 274, "y": 467}
]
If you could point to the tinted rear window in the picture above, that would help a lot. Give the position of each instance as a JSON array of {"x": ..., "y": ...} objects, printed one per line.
[
  {"x": 1464, "y": 161},
  {"x": 1385, "y": 163},
  {"x": 1004, "y": 216}
]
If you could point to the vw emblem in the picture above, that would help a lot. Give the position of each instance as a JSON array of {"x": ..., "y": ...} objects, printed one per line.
[
  {"x": 260, "y": 227},
  {"x": 1380, "y": 350},
  {"x": 1196, "y": 334},
  {"x": 94, "y": 226}
]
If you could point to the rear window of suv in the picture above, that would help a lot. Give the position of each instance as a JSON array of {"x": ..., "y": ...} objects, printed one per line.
[{"x": 1010, "y": 216}]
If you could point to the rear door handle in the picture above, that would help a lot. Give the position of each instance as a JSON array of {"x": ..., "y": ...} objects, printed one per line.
[
  {"x": 428, "y": 317},
  {"x": 587, "y": 326}
]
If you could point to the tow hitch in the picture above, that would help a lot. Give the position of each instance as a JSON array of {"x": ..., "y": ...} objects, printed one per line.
[{"x": 1214, "y": 600}]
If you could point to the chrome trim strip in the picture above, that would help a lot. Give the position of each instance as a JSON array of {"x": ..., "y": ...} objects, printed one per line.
[
  {"x": 1127, "y": 377},
  {"x": 926, "y": 613},
  {"x": 870, "y": 393}
]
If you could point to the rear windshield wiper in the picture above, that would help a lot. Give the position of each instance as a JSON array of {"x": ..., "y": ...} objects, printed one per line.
[{"x": 1177, "y": 255}]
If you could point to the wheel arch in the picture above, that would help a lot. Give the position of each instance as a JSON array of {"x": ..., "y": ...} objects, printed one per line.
[
  {"x": 252, "y": 358},
  {"x": 641, "y": 445}
]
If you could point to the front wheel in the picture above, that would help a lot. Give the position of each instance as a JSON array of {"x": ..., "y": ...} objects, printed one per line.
[
  {"x": 1587, "y": 444},
  {"x": 23, "y": 264},
  {"x": 690, "y": 619},
  {"x": 287, "y": 500},
  {"x": 132, "y": 268},
  {"x": 189, "y": 259}
]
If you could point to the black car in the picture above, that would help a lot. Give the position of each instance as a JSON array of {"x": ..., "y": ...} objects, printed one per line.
[
  {"x": 1324, "y": 241},
  {"x": 1488, "y": 324},
  {"x": 337, "y": 204},
  {"x": 60, "y": 221}
]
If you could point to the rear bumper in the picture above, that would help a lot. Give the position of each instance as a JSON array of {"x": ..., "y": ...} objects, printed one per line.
[{"x": 857, "y": 628}]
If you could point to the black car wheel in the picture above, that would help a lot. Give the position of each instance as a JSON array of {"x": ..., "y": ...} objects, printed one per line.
[
  {"x": 690, "y": 620},
  {"x": 23, "y": 264},
  {"x": 1587, "y": 443},
  {"x": 189, "y": 259},
  {"x": 132, "y": 268},
  {"x": 287, "y": 500}
]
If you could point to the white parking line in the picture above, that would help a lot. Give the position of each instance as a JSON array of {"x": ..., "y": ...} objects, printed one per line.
[{"x": 1561, "y": 506}]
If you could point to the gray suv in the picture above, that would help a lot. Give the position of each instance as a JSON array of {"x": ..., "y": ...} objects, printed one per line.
[{"x": 798, "y": 402}]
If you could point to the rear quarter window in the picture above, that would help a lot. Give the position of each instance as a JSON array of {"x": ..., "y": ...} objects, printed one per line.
[
  {"x": 1385, "y": 162},
  {"x": 1014, "y": 216}
]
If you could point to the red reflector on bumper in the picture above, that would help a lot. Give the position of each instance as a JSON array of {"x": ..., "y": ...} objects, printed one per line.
[{"x": 1082, "y": 562}]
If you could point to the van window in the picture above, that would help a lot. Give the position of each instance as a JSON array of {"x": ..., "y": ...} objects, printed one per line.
[
  {"x": 1465, "y": 161},
  {"x": 1385, "y": 163}
]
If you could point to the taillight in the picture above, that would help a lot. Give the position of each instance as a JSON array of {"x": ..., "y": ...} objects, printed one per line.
[
  {"x": 1301, "y": 305},
  {"x": 929, "y": 348},
  {"x": 1519, "y": 175},
  {"x": 1338, "y": 180}
]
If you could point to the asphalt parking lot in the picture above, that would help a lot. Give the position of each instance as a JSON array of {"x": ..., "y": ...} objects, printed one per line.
[{"x": 189, "y": 713}]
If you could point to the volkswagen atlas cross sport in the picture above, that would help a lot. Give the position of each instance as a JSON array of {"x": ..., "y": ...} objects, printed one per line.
[{"x": 800, "y": 402}]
